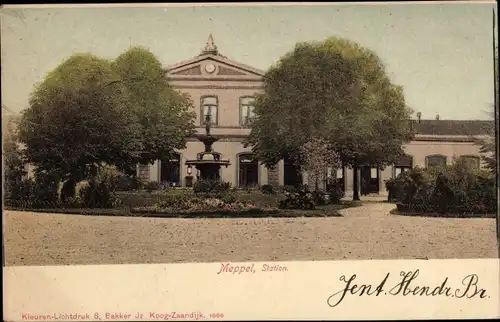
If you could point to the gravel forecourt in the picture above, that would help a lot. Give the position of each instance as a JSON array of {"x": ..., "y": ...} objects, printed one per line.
[{"x": 366, "y": 232}]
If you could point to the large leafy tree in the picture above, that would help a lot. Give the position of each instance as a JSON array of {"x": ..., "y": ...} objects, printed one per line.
[
  {"x": 89, "y": 112},
  {"x": 165, "y": 116},
  {"x": 336, "y": 90},
  {"x": 77, "y": 120}
]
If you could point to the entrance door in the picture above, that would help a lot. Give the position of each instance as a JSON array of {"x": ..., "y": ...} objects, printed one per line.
[
  {"x": 248, "y": 171},
  {"x": 291, "y": 175},
  {"x": 369, "y": 180},
  {"x": 171, "y": 171}
]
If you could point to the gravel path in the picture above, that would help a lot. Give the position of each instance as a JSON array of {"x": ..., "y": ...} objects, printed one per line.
[{"x": 367, "y": 232}]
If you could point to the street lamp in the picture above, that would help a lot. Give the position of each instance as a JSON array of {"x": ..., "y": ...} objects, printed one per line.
[{"x": 189, "y": 170}]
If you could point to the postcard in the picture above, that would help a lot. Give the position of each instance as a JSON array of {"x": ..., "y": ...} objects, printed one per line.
[{"x": 250, "y": 161}]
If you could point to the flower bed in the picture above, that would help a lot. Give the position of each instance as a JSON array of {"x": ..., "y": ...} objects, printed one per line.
[{"x": 201, "y": 205}]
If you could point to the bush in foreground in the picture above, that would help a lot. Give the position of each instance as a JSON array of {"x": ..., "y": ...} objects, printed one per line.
[
  {"x": 211, "y": 186},
  {"x": 456, "y": 189}
]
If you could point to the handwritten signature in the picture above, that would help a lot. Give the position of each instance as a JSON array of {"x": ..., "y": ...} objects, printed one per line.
[{"x": 406, "y": 287}]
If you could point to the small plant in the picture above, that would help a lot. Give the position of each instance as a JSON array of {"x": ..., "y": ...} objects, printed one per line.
[
  {"x": 74, "y": 202},
  {"x": 298, "y": 200},
  {"x": 267, "y": 189},
  {"x": 389, "y": 186},
  {"x": 152, "y": 186},
  {"x": 211, "y": 186},
  {"x": 319, "y": 197},
  {"x": 128, "y": 183},
  {"x": 335, "y": 191}
]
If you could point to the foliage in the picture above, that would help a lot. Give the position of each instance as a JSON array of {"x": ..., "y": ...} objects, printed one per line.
[
  {"x": 128, "y": 183},
  {"x": 99, "y": 190},
  {"x": 40, "y": 192},
  {"x": 267, "y": 189},
  {"x": 298, "y": 200},
  {"x": 335, "y": 90},
  {"x": 317, "y": 155},
  {"x": 457, "y": 188},
  {"x": 152, "y": 186},
  {"x": 76, "y": 120},
  {"x": 211, "y": 186},
  {"x": 389, "y": 186},
  {"x": 488, "y": 146},
  {"x": 319, "y": 197},
  {"x": 89, "y": 111},
  {"x": 164, "y": 116},
  {"x": 335, "y": 191},
  {"x": 13, "y": 163}
]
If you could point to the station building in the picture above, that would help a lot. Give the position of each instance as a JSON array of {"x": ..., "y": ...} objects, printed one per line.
[{"x": 225, "y": 88}]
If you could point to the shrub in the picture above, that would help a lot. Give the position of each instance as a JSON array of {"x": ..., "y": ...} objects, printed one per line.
[
  {"x": 297, "y": 200},
  {"x": 267, "y": 189},
  {"x": 453, "y": 189},
  {"x": 128, "y": 183},
  {"x": 151, "y": 186},
  {"x": 319, "y": 197},
  {"x": 20, "y": 194},
  {"x": 335, "y": 191},
  {"x": 178, "y": 201},
  {"x": 211, "y": 186},
  {"x": 46, "y": 189},
  {"x": 389, "y": 186},
  {"x": 74, "y": 202}
]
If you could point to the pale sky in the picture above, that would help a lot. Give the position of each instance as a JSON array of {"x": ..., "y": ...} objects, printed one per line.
[{"x": 441, "y": 53}]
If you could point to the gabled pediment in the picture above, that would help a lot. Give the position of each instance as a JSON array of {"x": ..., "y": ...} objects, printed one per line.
[
  {"x": 213, "y": 66},
  {"x": 210, "y": 64}
]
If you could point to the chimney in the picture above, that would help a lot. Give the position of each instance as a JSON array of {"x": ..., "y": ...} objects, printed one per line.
[
  {"x": 419, "y": 116},
  {"x": 437, "y": 117}
]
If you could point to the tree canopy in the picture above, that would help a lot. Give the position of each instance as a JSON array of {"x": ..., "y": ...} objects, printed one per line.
[
  {"x": 163, "y": 114},
  {"x": 337, "y": 90},
  {"x": 90, "y": 111},
  {"x": 76, "y": 119}
]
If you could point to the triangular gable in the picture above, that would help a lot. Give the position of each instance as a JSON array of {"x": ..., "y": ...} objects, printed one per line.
[{"x": 224, "y": 67}]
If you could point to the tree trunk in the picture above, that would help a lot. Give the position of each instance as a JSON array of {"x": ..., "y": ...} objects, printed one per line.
[{"x": 355, "y": 187}]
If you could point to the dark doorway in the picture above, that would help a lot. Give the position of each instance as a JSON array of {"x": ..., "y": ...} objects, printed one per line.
[
  {"x": 248, "y": 171},
  {"x": 170, "y": 173},
  {"x": 369, "y": 180},
  {"x": 291, "y": 175},
  {"x": 405, "y": 163}
]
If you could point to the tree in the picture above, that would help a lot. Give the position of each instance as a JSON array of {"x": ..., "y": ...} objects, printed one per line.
[
  {"x": 13, "y": 158},
  {"x": 76, "y": 122},
  {"x": 164, "y": 115},
  {"x": 317, "y": 155},
  {"x": 335, "y": 90}
]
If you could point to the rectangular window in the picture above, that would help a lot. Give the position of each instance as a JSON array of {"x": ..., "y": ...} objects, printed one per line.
[
  {"x": 434, "y": 161},
  {"x": 246, "y": 111},
  {"x": 209, "y": 105}
]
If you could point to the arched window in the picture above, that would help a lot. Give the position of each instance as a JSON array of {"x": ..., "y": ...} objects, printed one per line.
[
  {"x": 246, "y": 110},
  {"x": 248, "y": 170},
  {"x": 170, "y": 171},
  {"x": 473, "y": 161},
  {"x": 405, "y": 163},
  {"x": 209, "y": 104},
  {"x": 436, "y": 160}
]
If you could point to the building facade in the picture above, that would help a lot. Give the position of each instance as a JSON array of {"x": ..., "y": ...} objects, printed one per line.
[{"x": 226, "y": 88}]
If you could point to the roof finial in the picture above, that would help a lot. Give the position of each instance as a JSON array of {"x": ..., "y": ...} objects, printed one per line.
[{"x": 210, "y": 47}]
